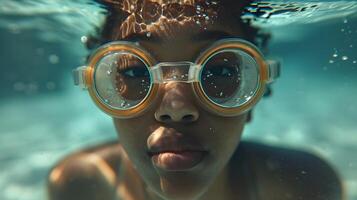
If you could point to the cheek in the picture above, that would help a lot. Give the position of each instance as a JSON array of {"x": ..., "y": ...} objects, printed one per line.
[
  {"x": 132, "y": 133},
  {"x": 226, "y": 132}
]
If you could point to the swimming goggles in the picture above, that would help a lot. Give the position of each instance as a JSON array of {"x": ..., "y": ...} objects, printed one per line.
[{"x": 228, "y": 78}]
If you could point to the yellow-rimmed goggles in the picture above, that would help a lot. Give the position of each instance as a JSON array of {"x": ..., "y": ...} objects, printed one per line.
[{"x": 228, "y": 78}]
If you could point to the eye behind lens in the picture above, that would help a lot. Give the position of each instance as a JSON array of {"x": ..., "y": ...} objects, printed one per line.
[
  {"x": 128, "y": 82},
  {"x": 230, "y": 78}
]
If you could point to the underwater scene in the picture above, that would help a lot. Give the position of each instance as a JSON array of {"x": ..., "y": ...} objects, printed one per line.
[{"x": 43, "y": 116}]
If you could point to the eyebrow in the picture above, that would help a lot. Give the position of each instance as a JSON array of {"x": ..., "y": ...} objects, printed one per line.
[
  {"x": 201, "y": 36},
  {"x": 136, "y": 37},
  {"x": 210, "y": 35}
]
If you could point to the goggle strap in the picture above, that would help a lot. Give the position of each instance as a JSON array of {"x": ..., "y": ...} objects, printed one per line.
[
  {"x": 79, "y": 75},
  {"x": 274, "y": 70},
  {"x": 189, "y": 72}
]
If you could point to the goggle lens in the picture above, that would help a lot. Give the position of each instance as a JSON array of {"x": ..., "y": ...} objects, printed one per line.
[
  {"x": 122, "y": 80},
  {"x": 230, "y": 78}
]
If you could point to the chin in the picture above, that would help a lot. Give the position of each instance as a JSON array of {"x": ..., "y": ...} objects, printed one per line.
[{"x": 180, "y": 188}]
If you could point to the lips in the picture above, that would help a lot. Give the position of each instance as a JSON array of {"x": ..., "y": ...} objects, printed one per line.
[{"x": 172, "y": 151}]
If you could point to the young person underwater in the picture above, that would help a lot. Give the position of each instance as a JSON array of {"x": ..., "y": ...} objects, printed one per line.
[{"x": 180, "y": 79}]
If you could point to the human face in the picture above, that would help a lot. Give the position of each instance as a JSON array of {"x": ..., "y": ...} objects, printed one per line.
[{"x": 178, "y": 147}]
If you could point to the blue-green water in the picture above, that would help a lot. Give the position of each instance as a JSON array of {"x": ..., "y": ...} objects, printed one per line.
[{"x": 43, "y": 117}]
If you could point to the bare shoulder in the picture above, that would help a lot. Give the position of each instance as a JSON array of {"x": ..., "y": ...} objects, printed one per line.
[
  {"x": 74, "y": 176},
  {"x": 282, "y": 173},
  {"x": 109, "y": 153}
]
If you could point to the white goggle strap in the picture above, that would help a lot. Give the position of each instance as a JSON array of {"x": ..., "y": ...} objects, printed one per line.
[
  {"x": 274, "y": 70},
  {"x": 79, "y": 75}
]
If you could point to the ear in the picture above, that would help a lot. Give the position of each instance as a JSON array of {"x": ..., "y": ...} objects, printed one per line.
[{"x": 249, "y": 116}]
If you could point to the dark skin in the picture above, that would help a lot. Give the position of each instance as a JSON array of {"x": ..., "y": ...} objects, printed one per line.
[{"x": 232, "y": 169}]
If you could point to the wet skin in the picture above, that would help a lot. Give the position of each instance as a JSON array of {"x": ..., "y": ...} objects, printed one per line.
[{"x": 176, "y": 116}]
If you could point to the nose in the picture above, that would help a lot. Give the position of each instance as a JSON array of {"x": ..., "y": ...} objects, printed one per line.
[{"x": 177, "y": 104}]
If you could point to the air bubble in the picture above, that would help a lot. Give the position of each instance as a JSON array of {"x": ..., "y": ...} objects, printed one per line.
[
  {"x": 345, "y": 21},
  {"x": 331, "y": 61},
  {"x": 84, "y": 39},
  {"x": 19, "y": 86},
  {"x": 54, "y": 59},
  {"x": 221, "y": 94},
  {"x": 50, "y": 85},
  {"x": 354, "y": 62},
  {"x": 344, "y": 58},
  {"x": 109, "y": 72},
  {"x": 148, "y": 34},
  {"x": 335, "y": 55},
  {"x": 123, "y": 104}
]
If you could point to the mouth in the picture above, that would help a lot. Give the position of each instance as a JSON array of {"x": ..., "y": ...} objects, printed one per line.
[
  {"x": 177, "y": 160},
  {"x": 170, "y": 150}
]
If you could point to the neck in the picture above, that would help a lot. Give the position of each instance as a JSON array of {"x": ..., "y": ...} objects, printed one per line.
[{"x": 220, "y": 188}]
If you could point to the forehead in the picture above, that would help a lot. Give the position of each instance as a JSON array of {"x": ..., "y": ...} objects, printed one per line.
[
  {"x": 175, "y": 30},
  {"x": 168, "y": 19}
]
